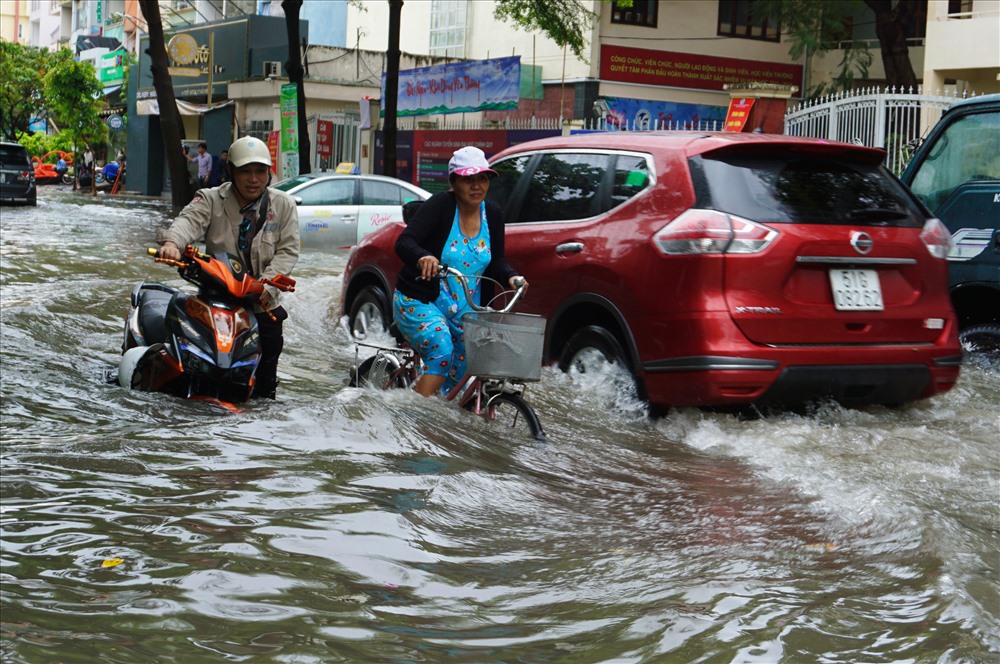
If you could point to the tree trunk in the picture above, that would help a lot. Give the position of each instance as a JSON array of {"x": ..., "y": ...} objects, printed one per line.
[
  {"x": 391, "y": 90},
  {"x": 892, "y": 22},
  {"x": 171, "y": 125},
  {"x": 296, "y": 75}
]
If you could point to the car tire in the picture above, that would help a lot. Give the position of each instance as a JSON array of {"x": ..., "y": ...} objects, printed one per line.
[
  {"x": 590, "y": 345},
  {"x": 369, "y": 311},
  {"x": 982, "y": 338},
  {"x": 594, "y": 349}
]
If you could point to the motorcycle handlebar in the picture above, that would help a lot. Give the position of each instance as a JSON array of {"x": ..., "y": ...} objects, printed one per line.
[{"x": 280, "y": 281}]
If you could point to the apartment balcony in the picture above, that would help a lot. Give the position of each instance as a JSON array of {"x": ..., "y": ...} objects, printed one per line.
[{"x": 957, "y": 42}]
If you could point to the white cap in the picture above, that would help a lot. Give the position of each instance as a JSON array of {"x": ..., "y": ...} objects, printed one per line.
[{"x": 469, "y": 161}]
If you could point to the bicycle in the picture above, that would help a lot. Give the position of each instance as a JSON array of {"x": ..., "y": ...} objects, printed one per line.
[{"x": 503, "y": 352}]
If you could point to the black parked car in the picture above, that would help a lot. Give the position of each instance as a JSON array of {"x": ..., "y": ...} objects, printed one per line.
[
  {"x": 956, "y": 173},
  {"x": 17, "y": 176}
]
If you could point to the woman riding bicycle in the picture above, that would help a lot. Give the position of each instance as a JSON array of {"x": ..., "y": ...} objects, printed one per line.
[{"x": 460, "y": 229}]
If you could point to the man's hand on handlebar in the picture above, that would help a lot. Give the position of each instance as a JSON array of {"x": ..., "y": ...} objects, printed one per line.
[{"x": 170, "y": 251}]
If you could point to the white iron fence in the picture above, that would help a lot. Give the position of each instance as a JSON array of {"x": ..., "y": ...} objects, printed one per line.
[{"x": 878, "y": 118}]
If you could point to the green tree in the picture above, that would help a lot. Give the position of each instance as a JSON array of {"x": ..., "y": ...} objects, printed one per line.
[
  {"x": 75, "y": 99},
  {"x": 21, "y": 71},
  {"x": 566, "y": 22},
  {"x": 815, "y": 28}
]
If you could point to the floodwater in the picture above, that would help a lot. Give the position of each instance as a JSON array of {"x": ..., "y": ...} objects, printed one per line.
[{"x": 341, "y": 525}]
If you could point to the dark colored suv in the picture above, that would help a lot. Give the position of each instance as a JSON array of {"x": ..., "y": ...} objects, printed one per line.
[
  {"x": 722, "y": 270},
  {"x": 956, "y": 173},
  {"x": 17, "y": 176}
]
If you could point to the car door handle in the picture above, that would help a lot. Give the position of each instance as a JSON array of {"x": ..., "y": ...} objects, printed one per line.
[{"x": 569, "y": 248}]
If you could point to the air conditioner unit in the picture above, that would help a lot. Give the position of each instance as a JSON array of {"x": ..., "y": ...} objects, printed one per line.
[{"x": 272, "y": 69}]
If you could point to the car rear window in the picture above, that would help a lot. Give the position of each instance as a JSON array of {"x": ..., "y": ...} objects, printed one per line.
[
  {"x": 13, "y": 155},
  {"x": 803, "y": 190}
]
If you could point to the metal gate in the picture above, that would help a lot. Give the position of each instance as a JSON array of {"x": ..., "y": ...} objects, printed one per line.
[{"x": 894, "y": 121}]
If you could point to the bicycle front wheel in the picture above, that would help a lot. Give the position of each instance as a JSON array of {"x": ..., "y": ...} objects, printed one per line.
[
  {"x": 381, "y": 371},
  {"x": 513, "y": 413}
]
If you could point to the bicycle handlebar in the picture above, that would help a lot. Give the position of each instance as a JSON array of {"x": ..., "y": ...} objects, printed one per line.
[{"x": 520, "y": 282}]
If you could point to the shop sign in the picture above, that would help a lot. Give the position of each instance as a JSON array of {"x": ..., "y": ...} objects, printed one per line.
[
  {"x": 111, "y": 68},
  {"x": 324, "y": 138},
  {"x": 190, "y": 60},
  {"x": 289, "y": 109}
]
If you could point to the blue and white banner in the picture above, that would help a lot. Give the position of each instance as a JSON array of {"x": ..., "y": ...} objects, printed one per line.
[{"x": 459, "y": 87}]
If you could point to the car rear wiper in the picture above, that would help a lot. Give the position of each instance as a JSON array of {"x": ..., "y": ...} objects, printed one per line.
[{"x": 879, "y": 214}]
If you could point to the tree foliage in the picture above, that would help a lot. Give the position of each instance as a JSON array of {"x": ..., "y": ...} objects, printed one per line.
[
  {"x": 814, "y": 28},
  {"x": 21, "y": 71},
  {"x": 566, "y": 22},
  {"x": 75, "y": 99}
]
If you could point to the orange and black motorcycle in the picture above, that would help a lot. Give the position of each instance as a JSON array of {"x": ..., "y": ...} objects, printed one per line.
[{"x": 203, "y": 346}]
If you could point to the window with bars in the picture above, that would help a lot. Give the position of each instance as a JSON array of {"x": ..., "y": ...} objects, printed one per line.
[
  {"x": 259, "y": 129},
  {"x": 736, "y": 19},
  {"x": 641, "y": 12},
  {"x": 448, "y": 18}
]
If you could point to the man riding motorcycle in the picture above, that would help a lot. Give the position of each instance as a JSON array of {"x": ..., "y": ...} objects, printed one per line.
[{"x": 246, "y": 218}]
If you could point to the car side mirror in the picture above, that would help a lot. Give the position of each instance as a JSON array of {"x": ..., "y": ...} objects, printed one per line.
[{"x": 297, "y": 199}]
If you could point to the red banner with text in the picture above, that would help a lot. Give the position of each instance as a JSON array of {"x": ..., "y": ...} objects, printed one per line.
[
  {"x": 739, "y": 113},
  {"x": 688, "y": 70},
  {"x": 324, "y": 138}
]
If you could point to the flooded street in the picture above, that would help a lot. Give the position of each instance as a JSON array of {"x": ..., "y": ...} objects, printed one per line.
[{"x": 344, "y": 525}]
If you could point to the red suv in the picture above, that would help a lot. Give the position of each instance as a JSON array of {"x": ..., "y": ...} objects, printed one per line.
[{"x": 722, "y": 270}]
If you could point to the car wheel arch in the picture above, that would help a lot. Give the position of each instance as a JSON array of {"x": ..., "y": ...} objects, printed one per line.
[
  {"x": 362, "y": 278},
  {"x": 975, "y": 304},
  {"x": 584, "y": 310}
]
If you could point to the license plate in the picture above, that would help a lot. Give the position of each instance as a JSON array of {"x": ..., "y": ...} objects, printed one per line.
[{"x": 856, "y": 290}]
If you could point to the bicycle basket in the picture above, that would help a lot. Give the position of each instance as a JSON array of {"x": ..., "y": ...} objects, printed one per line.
[{"x": 504, "y": 345}]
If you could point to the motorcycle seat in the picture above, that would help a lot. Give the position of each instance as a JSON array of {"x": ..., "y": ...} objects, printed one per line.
[{"x": 153, "y": 315}]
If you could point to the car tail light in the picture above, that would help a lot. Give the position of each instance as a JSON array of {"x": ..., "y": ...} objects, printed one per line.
[
  {"x": 712, "y": 232},
  {"x": 936, "y": 238}
]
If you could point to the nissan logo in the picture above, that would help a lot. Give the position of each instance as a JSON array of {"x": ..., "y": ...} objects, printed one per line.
[{"x": 862, "y": 242}]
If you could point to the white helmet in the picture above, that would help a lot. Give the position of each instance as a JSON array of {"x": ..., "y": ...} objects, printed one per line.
[{"x": 249, "y": 150}]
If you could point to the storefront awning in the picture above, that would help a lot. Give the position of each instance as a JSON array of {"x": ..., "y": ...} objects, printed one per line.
[
  {"x": 152, "y": 107},
  {"x": 86, "y": 42}
]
